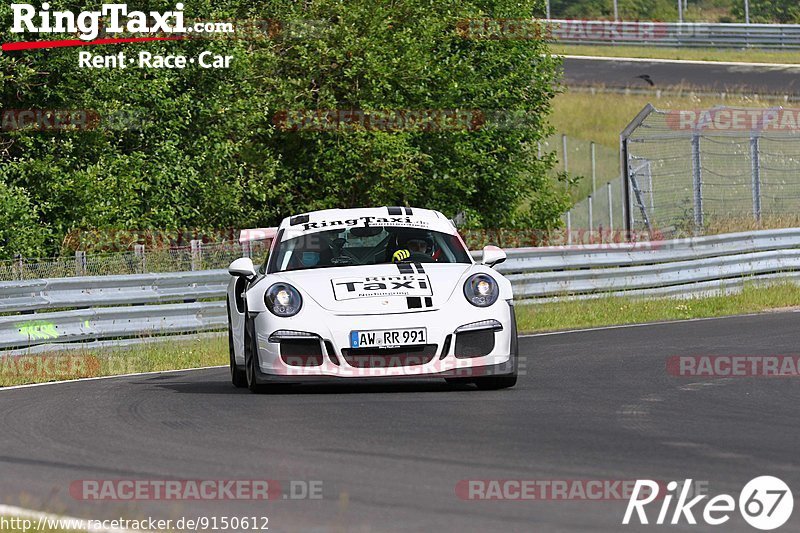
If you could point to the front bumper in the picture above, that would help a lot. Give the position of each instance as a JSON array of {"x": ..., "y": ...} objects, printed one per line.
[{"x": 333, "y": 333}]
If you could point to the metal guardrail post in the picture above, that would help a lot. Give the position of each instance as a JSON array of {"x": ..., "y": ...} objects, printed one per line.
[
  {"x": 697, "y": 182},
  {"x": 755, "y": 160},
  {"x": 80, "y": 263},
  {"x": 197, "y": 254}
]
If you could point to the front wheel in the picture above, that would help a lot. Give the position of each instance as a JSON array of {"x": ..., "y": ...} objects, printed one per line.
[
  {"x": 238, "y": 375},
  {"x": 504, "y": 381},
  {"x": 496, "y": 382},
  {"x": 251, "y": 358}
]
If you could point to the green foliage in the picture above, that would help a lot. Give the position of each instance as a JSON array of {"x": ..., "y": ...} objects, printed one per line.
[
  {"x": 19, "y": 228},
  {"x": 197, "y": 148},
  {"x": 783, "y": 11}
]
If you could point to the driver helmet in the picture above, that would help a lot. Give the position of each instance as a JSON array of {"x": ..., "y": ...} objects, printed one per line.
[{"x": 418, "y": 241}]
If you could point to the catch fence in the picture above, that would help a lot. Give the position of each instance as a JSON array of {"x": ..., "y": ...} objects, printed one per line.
[{"x": 706, "y": 171}]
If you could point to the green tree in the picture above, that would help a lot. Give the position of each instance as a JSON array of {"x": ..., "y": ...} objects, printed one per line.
[
  {"x": 198, "y": 148},
  {"x": 769, "y": 11},
  {"x": 20, "y": 232}
]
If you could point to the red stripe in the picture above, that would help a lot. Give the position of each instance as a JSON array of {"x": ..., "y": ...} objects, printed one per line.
[{"x": 8, "y": 47}]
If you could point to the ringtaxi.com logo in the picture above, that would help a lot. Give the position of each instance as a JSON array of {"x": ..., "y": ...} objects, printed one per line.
[{"x": 765, "y": 502}]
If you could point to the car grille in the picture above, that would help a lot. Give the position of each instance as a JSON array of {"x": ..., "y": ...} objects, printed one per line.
[
  {"x": 389, "y": 357},
  {"x": 301, "y": 352},
  {"x": 474, "y": 343}
]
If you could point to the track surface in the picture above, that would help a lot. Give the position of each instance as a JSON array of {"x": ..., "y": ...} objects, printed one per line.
[
  {"x": 592, "y": 405},
  {"x": 620, "y": 74}
]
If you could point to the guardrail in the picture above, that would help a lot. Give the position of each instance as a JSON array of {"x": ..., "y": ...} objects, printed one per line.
[
  {"x": 674, "y": 34},
  {"x": 123, "y": 310}
]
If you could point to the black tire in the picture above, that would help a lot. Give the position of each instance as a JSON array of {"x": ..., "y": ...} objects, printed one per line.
[
  {"x": 459, "y": 381},
  {"x": 504, "y": 381},
  {"x": 238, "y": 374},
  {"x": 496, "y": 382},
  {"x": 251, "y": 358}
]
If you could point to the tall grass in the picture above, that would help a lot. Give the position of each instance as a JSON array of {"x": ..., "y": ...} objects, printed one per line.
[{"x": 601, "y": 117}]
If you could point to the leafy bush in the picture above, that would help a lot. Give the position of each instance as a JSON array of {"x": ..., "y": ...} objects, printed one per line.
[
  {"x": 20, "y": 231},
  {"x": 197, "y": 148},
  {"x": 783, "y": 11}
]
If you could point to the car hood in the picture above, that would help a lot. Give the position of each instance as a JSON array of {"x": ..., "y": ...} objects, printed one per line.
[{"x": 379, "y": 289}]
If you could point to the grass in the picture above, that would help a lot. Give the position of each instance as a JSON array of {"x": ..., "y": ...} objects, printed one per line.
[
  {"x": 730, "y": 224},
  {"x": 154, "y": 357},
  {"x": 602, "y": 116},
  {"x": 697, "y": 54},
  {"x": 531, "y": 318},
  {"x": 610, "y": 311}
]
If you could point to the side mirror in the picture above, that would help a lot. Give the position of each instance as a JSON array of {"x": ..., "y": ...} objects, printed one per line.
[
  {"x": 492, "y": 255},
  {"x": 242, "y": 267}
]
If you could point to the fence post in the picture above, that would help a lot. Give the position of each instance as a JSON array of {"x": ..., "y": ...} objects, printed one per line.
[
  {"x": 697, "y": 182},
  {"x": 755, "y": 159},
  {"x": 80, "y": 263},
  {"x": 591, "y": 222},
  {"x": 569, "y": 227},
  {"x": 138, "y": 251},
  {"x": 564, "y": 152},
  {"x": 247, "y": 249},
  {"x": 592, "y": 148},
  {"x": 610, "y": 208},
  {"x": 18, "y": 267},
  {"x": 197, "y": 254}
]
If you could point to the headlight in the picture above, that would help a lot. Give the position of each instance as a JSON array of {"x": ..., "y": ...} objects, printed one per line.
[
  {"x": 481, "y": 290},
  {"x": 283, "y": 300}
]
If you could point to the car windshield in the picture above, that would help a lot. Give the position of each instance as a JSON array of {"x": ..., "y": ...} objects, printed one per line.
[{"x": 367, "y": 246}]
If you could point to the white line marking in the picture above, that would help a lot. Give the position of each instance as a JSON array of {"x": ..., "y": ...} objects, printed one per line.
[
  {"x": 684, "y": 61},
  {"x": 641, "y": 324},
  {"x": 98, "y": 378},
  {"x": 8, "y": 510}
]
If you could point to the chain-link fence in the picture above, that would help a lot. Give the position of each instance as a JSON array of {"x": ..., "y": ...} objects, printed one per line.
[
  {"x": 598, "y": 192},
  {"x": 197, "y": 256},
  {"x": 713, "y": 171}
]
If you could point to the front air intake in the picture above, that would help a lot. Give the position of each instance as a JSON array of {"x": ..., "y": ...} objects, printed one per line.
[
  {"x": 474, "y": 343},
  {"x": 301, "y": 352}
]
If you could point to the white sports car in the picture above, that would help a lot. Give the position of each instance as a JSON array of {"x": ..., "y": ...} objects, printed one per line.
[{"x": 384, "y": 292}]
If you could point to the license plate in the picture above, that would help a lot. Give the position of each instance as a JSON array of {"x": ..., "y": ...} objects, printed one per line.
[{"x": 385, "y": 338}]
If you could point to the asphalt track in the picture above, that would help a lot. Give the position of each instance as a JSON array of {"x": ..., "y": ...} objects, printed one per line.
[
  {"x": 740, "y": 78},
  {"x": 592, "y": 405}
]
